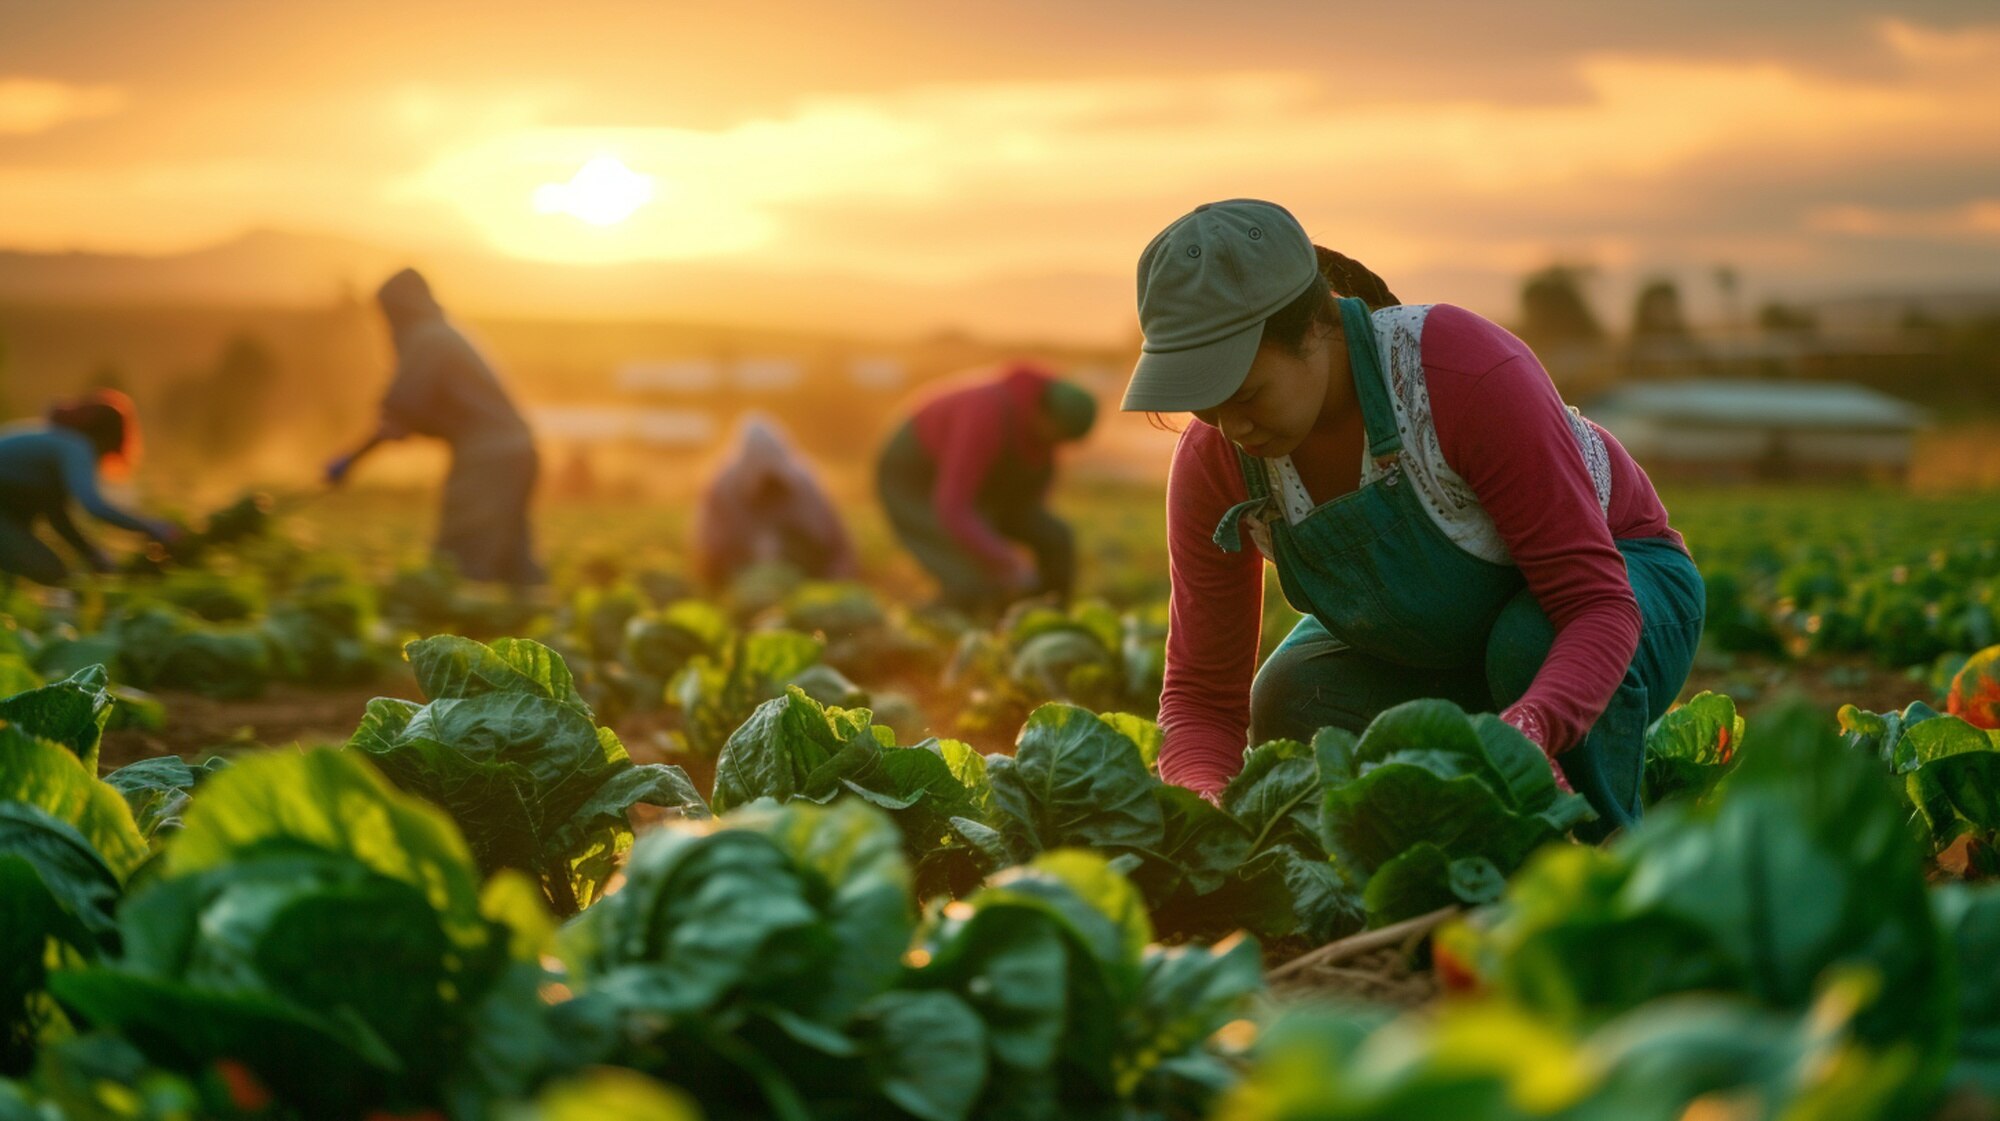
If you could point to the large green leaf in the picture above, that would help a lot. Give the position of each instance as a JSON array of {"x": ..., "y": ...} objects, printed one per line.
[
  {"x": 448, "y": 666},
  {"x": 1798, "y": 868},
  {"x": 510, "y": 750},
  {"x": 71, "y": 712},
  {"x": 850, "y": 857},
  {"x": 1099, "y": 907},
  {"x": 926, "y": 1052},
  {"x": 1803, "y": 864},
  {"x": 1187, "y": 994},
  {"x": 1494, "y": 1062},
  {"x": 717, "y": 693},
  {"x": 1581, "y": 956},
  {"x": 800, "y": 907},
  {"x": 1689, "y": 748},
  {"x": 1009, "y": 961},
  {"x": 1970, "y": 917},
  {"x": 49, "y": 855},
  {"x": 316, "y": 925},
  {"x": 1439, "y": 737},
  {"x": 1421, "y": 725},
  {"x": 158, "y": 790},
  {"x": 1952, "y": 760},
  {"x": 1319, "y": 903},
  {"x": 322, "y": 1068},
  {"x": 333, "y": 801},
  {"x": 59, "y": 900},
  {"x": 1277, "y": 796},
  {"x": 691, "y": 923},
  {"x": 1372, "y": 820},
  {"x": 1519, "y": 769},
  {"x": 1144, "y": 734},
  {"x": 784, "y": 743},
  {"x": 52, "y": 778},
  {"x": 1073, "y": 780},
  {"x": 67, "y": 845},
  {"x": 1201, "y": 846},
  {"x": 1423, "y": 878}
]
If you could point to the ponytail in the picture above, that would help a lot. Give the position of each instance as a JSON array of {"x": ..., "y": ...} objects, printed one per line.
[
  {"x": 1344, "y": 276},
  {"x": 1350, "y": 277}
]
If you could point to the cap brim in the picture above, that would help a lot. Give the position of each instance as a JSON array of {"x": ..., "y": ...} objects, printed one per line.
[{"x": 1183, "y": 381}]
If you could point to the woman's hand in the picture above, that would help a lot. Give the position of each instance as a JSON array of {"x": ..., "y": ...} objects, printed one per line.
[
  {"x": 335, "y": 472},
  {"x": 1529, "y": 723},
  {"x": 1562, "y": 780},
  {"x": 1021, "y": 578}
]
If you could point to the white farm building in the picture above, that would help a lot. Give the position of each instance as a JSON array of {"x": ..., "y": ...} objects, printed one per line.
[{"x": 1742, "y": 429}]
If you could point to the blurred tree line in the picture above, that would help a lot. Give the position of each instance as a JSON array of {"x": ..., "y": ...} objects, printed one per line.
[
  {"x": 224, "y": 394},
  {"x": 1943, "y": 362}
]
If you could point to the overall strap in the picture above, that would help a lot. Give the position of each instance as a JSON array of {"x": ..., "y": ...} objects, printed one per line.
[
  {"x": 1378, "y": 412},
  {"x": 1228, "y": 534}
]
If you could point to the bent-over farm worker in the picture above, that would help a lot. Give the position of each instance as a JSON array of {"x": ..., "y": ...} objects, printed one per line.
[
  {"x": 46, "y": 465},
  {"x": 764, "y": 504},
  {"x": 965, "y": 482},
  {"x": 444, "y": 388},
  {"x": 1447, "y": 525}
]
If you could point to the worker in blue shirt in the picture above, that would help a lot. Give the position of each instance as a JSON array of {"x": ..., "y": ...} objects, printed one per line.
[{"x": 46, "y": 465}]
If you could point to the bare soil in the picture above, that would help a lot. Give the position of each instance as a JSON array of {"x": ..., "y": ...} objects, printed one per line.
[{"x": 198, "y": 726}]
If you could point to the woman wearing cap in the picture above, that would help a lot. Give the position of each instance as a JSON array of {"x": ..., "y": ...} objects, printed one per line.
[
  {"x": 44, "y": 466},
  {"x": 1448, "y": 526},
  {"x": 964, "y": 481},
  {"x": 445, "y": 388},
  {"x": 763, "y": 505}
]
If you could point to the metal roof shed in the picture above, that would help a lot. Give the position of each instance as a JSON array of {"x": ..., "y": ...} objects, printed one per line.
[{"x": 1763, "y": 429}]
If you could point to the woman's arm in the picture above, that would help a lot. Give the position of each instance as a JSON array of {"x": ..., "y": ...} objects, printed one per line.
[
  {"x": 1505, "y": 430},
  {"x": 78, "y": 463},
  {"x": 1214, "y": 618}
]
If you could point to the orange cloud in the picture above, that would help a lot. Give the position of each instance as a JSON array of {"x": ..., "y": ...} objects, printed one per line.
[
  {"x": 1977, "y": 219},
  {"x": 32, "y": 105}
]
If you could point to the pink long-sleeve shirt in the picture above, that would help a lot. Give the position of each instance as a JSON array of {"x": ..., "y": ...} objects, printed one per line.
[
  {"x": 967, "y": 431},
  {"x": 1504, "y": 429}
]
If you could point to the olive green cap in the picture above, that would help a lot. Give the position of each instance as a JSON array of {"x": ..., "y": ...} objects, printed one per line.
[{"x": 1207, "y": 283}]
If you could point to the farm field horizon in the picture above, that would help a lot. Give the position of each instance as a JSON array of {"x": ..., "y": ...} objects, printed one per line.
[{"x": 591, "y": 562}]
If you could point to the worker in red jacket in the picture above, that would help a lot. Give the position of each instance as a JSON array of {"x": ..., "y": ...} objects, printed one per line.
[
  {"x": 1450, "y": 528},
  {"x": 965, "y": 481}
]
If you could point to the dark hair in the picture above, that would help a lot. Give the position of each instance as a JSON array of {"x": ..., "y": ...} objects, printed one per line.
[
  {"x": 107, "y": 419},
  {"x": 1344, "y": 276}
]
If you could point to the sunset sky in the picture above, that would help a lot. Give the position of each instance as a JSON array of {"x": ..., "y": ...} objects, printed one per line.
[{"x": 1825, "y": 148}]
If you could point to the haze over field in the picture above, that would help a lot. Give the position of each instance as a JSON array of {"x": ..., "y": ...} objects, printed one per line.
[{"x": 893, "y": 167}]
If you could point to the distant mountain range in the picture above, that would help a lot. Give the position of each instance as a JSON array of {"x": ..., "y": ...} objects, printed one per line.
[{"x": 280, "y": 268}]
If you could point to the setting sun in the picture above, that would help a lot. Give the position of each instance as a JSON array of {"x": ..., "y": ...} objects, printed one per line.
[{"x": 603, "y": 192}]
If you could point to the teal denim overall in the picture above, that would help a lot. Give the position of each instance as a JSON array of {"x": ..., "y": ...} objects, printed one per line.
[{"x": 1396, "y": 610}]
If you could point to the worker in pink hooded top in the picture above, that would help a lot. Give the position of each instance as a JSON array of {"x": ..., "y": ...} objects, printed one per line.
[{"x": 765, "y": 505}]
